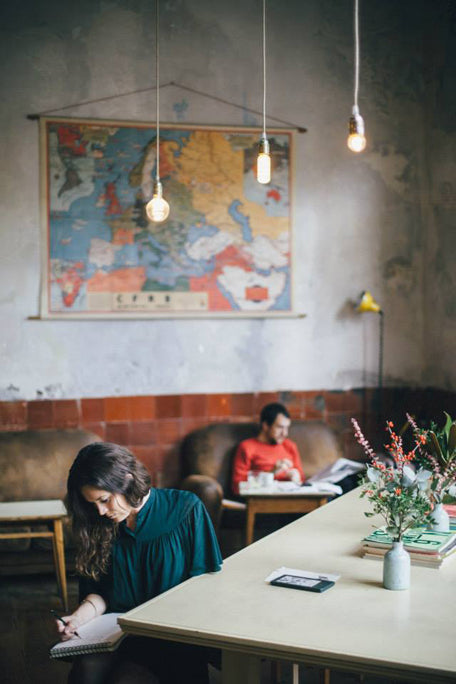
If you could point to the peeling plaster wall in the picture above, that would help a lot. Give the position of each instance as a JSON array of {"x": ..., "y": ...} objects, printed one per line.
[
  {"x": 440, "y": 203},
  {"x": 382, "y": 221}
]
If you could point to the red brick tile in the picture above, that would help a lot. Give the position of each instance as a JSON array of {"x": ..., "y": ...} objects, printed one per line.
[
  {"x": 147, "y": 456},
  {"x": 314, "y": 406},
  {"x": 119, "y": 433},
  {"x": 93, "y": 410},
  {"x": 218, "y": 405},
  {"x": 116, "y": 409},
  {"x": 66, "y": 413},
  {"x": 294, "y": 402},
  {"x": 13, "y": 415},
  {"x": 311, "y": 413},
  {"x": 260, "y": 399},
  {"x": 97, "y": 428},
  {"x": 168, "y": 465},
  {"x": 143, "y": 433},
  {"x": 142, "y": 408},
  {"x": 238, "y": 419},
  {"x": 194, "y": 405},
  {"x": 40, "y": 414},
  {"x": 168, "y": 406},
  {"x": 342, "y": 401},
  {"x": 242, "y": 405},
  {"x": 168, "y": 431},
  {"x": 190, "y": 424}
]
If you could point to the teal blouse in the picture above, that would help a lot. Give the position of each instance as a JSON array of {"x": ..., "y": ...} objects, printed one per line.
[{"x": 173, "y": 540}]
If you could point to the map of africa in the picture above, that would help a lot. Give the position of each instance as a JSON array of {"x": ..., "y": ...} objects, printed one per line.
[{"x": 224, "y": 249}]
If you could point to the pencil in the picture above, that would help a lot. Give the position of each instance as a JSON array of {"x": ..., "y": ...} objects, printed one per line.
[{"x": 59, "y": 617}]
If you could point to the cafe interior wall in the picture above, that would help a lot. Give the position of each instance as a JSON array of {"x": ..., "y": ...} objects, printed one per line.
[{"x": 382, "y": 220}]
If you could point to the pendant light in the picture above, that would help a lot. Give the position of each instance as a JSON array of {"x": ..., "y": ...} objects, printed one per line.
[
  {"x": 157, "y": 209},
  {"x": 264, "y": 157},
  {"x": 356, "y": 139}
]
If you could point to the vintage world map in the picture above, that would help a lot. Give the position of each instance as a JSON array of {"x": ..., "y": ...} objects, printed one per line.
[{"x": 225, "y": 248}]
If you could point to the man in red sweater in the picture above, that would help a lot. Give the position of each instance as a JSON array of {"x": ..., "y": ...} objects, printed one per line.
[{"x": 271, "y": 451}]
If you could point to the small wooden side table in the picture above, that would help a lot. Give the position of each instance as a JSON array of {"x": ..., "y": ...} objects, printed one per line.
[
  {"x": 29, "y": 513},
  {"x": 279, "y": 503}
]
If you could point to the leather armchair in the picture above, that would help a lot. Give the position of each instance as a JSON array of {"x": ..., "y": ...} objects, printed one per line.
[{"x": 207, "y": 455}]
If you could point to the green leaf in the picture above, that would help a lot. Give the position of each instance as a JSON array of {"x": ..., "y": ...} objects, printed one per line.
[
  {"x": 452, "y": 439},
  {"x": 448, "y": 423},
  {"x": 368, "y": 515},
  {"x": 435, "y": 445}
]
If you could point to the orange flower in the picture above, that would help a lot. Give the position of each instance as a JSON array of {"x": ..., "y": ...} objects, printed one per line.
[
  {"x": 398, "y": 491},
  {"x": 422, "y": 439}
]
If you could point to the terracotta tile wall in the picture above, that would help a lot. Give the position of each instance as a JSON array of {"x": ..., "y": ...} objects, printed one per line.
[{"x": 152, "y": 426}]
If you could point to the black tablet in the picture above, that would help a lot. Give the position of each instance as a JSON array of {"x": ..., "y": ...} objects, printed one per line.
[{"x": 305, "y": 583}]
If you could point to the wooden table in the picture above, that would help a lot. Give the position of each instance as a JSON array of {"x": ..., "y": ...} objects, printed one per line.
[
  {"x": 279, "y": 503},
  {"x": 357, "y": 626},
  {"x": 30, "y": 513}
]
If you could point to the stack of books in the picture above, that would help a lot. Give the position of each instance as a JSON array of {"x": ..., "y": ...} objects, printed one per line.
[
  {"x": 451, "y": 510},
  {"x": 426, "y": 548}
]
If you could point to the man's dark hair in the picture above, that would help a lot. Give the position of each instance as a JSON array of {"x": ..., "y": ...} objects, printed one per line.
[{"x": 270, "y": 412}]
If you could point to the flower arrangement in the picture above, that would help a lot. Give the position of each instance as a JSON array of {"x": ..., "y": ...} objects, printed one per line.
[
  {"x": 396, "y": 492},
  {"x": 437, "y": 453}
]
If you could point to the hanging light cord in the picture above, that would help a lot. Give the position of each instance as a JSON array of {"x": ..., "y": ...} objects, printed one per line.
[
  {"x": 264, "y": 68},
  {"x": 157, "y": 81},
  {"x": 356, "y": 23}
]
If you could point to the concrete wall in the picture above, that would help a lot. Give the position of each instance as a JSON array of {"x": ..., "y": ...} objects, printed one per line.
[{"x": 383, "y": 220}]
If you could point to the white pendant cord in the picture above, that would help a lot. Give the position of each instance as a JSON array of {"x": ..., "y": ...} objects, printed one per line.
[
  {"x": 264, "y": 68},
  {"x": 356, "y": 26},
  {"x": 157, "y": 83}
]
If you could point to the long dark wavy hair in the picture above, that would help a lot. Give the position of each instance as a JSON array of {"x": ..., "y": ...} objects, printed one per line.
[{"x": 114, "y": 469}]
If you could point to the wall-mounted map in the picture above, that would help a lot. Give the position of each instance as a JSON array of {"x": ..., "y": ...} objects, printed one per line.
[{"x": 225, "y": 249}]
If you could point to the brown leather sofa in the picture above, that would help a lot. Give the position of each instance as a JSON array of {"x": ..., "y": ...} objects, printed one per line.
[
  {"x": 34, "y": 466},
  {"x": 207, "y": 455}
]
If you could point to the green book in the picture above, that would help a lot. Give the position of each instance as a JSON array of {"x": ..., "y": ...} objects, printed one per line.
[{"x": 417, "y": 539}]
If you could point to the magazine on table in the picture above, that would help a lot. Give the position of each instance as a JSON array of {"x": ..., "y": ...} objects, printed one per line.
[{"x": 337, "y": 471}]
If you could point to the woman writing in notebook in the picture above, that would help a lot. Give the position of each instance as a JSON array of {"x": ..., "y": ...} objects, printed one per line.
[{"x": 133, "y": 543}]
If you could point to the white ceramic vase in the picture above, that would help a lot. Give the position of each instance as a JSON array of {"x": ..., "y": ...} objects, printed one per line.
[
  {"x": 441, "y": 519},
  {"x": 396, "y": 568}
]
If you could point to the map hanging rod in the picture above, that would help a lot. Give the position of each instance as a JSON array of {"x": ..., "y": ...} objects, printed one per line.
[{"x": 34, "y": 117}]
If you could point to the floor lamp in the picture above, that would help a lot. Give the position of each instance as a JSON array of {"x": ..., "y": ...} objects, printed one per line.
[{"x": 367, "y": 304}]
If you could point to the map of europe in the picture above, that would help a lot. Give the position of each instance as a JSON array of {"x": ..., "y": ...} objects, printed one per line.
[{"x": 224, "y": 249}]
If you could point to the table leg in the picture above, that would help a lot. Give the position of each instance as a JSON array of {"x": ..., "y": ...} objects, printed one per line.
[
  {"x": 250, "y": 523},
  {"x": 239, "y": 667},
  {"x": 325, "y": 676},
  {"x": 59, "y": 560}
]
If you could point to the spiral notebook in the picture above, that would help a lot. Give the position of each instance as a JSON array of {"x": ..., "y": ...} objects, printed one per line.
[{"x": 101, "y": 634}]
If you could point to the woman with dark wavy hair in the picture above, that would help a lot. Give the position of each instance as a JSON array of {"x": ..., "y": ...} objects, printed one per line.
[{"x": 133, "y": 543}]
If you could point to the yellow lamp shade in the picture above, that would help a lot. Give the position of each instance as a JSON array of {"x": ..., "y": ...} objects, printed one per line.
[{"x": 367, "y": 303}]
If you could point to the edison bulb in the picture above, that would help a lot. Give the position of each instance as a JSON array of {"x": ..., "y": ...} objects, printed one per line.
[
  {"x": 263, "y": 162},
  {"x": 356, "y": 140},
  {"x": 157, "y": 209},
  {"x": 263, "y": 168}
]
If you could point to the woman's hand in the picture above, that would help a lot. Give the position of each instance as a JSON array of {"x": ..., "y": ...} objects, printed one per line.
[
  {"x": 92, "y": 606},
  {"x": 67, "y": 626}
]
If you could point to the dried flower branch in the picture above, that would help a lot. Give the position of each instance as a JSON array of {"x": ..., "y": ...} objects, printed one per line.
[{"x": 396, "y": 492}]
